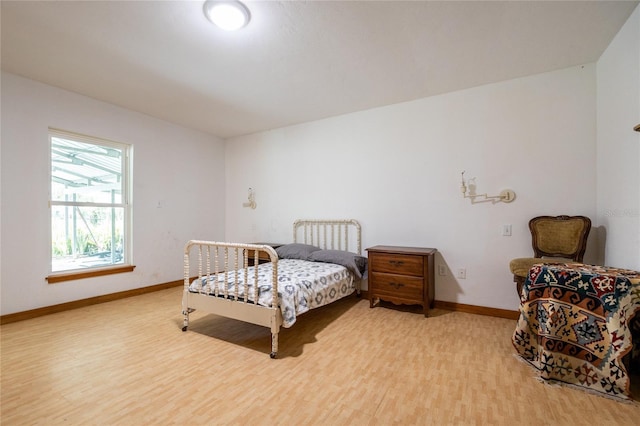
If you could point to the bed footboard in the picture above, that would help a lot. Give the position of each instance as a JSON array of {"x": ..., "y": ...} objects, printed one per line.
[{"x": 219, "y": 263}]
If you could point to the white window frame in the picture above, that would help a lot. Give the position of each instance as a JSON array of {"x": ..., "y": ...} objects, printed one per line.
[{"x": 125, "y": 265}]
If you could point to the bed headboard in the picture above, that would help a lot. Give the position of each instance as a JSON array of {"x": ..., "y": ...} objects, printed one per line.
[{"x": 341, "y": 234}]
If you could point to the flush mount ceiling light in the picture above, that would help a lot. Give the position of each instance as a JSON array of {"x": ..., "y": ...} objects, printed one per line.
[{"x": 229, "y": 15}]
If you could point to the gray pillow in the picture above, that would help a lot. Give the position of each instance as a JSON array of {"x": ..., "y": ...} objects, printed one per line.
[
  {"x": 353, "y": 262},
  {"x": 296, "y": 251}
]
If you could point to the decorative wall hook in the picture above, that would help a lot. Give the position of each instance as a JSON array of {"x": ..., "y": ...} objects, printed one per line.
[
  {"x": 252, "y": 200},
  {"x": 506, "y": 195}
]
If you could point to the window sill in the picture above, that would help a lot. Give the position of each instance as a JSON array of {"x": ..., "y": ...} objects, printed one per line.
[{"x": 78, "y": 275}]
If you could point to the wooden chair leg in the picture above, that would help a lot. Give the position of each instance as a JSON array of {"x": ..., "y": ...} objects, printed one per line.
[{"x": 519, "y": 283}]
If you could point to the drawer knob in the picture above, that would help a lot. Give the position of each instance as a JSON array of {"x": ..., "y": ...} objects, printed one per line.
[
  {"x": 396, "y": 262},
  {"x": 396, "y": 285}
]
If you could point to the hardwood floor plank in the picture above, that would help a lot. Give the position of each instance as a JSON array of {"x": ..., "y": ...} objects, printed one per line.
[{"x": 127, "y": 362}]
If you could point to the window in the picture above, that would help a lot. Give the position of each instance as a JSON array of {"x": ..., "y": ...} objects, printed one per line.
[{"x": 90, "y": 205}]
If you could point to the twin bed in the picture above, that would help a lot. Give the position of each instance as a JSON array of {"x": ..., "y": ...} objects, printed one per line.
[{"x": 322, "y": 265}]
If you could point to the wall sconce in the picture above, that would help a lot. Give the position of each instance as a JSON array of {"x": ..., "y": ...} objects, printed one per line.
[
  {"x": 506, "y": 195},
  {"x": 252, "y": 200}
]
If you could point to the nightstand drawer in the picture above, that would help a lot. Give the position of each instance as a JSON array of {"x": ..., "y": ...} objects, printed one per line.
[
  {"x": 397, "y": 264},
  {"x": 398, "y": 286}
]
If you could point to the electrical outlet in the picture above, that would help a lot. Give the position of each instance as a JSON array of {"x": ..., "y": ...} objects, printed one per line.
[
  {"x": 442, "y": 270},
  {"x": 462, "y": 273}
]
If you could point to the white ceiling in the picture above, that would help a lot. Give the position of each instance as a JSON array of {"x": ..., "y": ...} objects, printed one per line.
[{"x": 296, "y": 61}]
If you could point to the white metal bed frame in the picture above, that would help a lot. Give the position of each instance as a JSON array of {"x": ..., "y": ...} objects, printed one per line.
[{"x": 326, "y": 234}]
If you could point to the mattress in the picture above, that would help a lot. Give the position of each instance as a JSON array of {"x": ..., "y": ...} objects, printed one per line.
[{"x": 302, "y": 286}]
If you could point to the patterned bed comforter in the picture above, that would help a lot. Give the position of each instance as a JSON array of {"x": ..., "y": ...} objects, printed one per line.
[{"x": 302, "y": 286}]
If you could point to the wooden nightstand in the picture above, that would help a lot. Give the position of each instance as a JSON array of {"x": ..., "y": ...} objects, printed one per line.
[
  {"x": 402, "y": 275},
  {"x": 262, "y": 256}
]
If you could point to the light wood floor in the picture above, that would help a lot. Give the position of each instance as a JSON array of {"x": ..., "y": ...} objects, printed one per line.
[{"x": 127, "y": 363}]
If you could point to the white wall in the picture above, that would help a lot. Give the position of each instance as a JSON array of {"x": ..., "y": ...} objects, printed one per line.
[
  {"x": 618, "y": 146},
  {"x": 181, "y": 168},
  {"x": 397, "y": 170}
]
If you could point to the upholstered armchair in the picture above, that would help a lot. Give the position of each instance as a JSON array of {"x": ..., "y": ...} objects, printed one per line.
[{"x": 554, "y": 239}]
